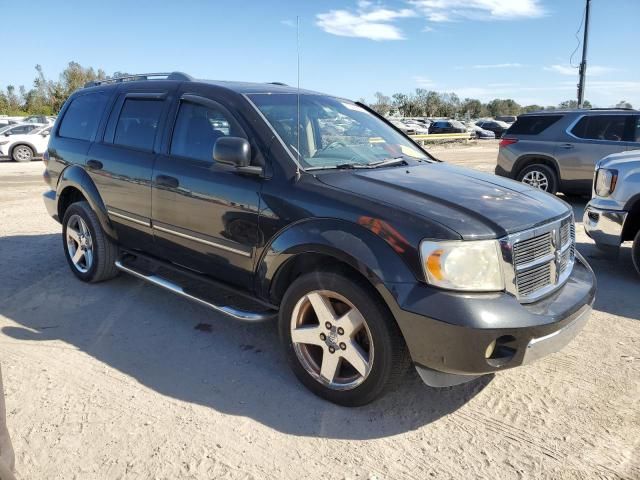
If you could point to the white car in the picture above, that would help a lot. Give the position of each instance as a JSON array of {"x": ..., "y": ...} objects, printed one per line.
[{"x": 24, "y": 142}]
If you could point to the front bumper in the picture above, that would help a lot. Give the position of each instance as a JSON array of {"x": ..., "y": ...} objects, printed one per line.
[
  {"x": 604, "y": 226},
  {"x": 455, "y": 337}
]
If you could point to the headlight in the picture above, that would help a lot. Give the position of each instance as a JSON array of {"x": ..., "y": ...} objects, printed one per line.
[
  {"x": 605, "y": 182},
  {"x": 5, "y": 142},
  {"x": 463, "y": 265}
]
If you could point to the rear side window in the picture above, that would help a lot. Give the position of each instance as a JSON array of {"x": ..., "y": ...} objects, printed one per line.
[
  {"x": 533, "y": 124},
  {"x": 83, "y": 116},
  {"x": 601, "y": 127},
  {"x": 197, "y": 129},
  {"x": 138, "y": 123}
]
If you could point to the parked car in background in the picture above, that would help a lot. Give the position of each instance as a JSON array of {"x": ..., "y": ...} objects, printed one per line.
[
  {"x": 613, "y": 214},
  {"x": 417, "y": 127},
  {"x": 372, "y": 254},
  {"x": 24, "y": 147},
  {"x": 407, "y": 130},
  {"x": 557, "y": 151},
  {"x": 447, "y": 126},
  {"x": 508, "y": 119},
  {"x": 19, "y": 128},
  {"x": 495, "y": 126},
  {"x": 42, "y": 119},
  {"x": 482, "y": 133}
]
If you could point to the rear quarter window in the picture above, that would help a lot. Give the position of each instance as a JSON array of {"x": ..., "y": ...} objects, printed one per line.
[
  {"x": 83, "y": 115},
  {"x": 533, "y": 124}
]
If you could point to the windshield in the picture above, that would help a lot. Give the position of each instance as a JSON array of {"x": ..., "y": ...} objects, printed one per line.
[{"x": 333, "y": 132}]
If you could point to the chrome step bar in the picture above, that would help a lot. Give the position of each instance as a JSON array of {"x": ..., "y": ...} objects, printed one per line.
[{"x": 177, "y": 289}]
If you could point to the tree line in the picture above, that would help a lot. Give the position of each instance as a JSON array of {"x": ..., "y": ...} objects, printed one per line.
[
  {"x": 428, "y": 103},
  {"x": 46, "y": 97}
]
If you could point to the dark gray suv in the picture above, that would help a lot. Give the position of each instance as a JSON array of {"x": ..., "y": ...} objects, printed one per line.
[{"x": 557, "y": 151}]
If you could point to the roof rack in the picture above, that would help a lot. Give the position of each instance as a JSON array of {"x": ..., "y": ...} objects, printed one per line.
[
  {"x": 278, "y": 83},
  {"x": 141, "y": 76}
]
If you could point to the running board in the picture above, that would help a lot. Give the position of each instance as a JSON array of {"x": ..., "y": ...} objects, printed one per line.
[{"x": 177, "y": 289}]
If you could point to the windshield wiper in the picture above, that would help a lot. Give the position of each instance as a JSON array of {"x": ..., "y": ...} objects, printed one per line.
[
  {"x": 387, "y": 162},
  {"x": 353, "y": 166}
]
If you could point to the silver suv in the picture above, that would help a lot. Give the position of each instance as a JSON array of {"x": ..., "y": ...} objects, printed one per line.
[
  {"x": 613, "y": 214},
  {"x": 557, "y": 151}
]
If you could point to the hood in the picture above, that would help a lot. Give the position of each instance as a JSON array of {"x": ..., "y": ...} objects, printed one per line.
[
  {"x": 476, "y": 205},
  {"x": 622, "y": 160}
]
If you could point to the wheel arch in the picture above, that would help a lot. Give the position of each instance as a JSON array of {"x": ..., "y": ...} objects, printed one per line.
[
  {"x": 327, "y": 243},
  {"x": 632, "y": 223},
  {"x": 532, "y": 158},
  {"x": 34, "y": 150},
  {"x": 75, "y": 184}
]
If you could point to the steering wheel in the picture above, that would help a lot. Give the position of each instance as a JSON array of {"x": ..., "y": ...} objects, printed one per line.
[{"x": 335, "y": 144}]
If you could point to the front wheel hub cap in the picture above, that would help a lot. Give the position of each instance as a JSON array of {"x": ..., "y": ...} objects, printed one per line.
[{"x": 340, "y": 361}]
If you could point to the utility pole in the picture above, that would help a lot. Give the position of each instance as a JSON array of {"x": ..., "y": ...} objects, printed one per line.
[{"x": 583, "y": 64}]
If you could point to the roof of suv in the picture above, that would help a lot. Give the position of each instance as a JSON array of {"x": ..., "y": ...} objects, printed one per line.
[{"x": 237, "y": 87}]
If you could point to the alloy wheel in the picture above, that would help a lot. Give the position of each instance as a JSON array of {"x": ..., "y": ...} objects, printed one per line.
[
  {"x": 22, "y": 154},
  {"x": 332, "y": 340},
  {"x": 536, "y": 179},
  {"x": 79, "y": 244}
]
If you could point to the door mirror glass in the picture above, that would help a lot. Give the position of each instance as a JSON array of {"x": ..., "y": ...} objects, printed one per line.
[{"x": 234, "y": 151}]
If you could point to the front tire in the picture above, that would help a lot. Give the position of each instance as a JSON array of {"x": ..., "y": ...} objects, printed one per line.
[
  {"x": 22, "y": 153},
  {"x": 540, "y": 176},
  {"x": 91, "y": 254},
  {"x": 340, "y": 339},
  {"x": 635, "y": 252}
]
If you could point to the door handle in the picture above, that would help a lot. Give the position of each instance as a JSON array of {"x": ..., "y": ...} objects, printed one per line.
[
  {"x": 167, "y": 181},
  {"x": 567, "y": 146},
  {"x": 94, "y": 164}
]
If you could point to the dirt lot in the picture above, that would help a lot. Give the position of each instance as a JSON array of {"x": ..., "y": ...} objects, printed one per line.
[{"x": 115, "y": 381}]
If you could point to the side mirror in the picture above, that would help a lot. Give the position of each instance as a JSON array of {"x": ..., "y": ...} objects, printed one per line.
[
  {"x": 45, "y": 134},
  {"x": 7, "y": 134},
  {"x": 236, "y": 152}
]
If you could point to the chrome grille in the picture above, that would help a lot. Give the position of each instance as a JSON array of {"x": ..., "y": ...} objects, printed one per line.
[
  {"x": 534, "y": 279},
  {"x": 530, "y": 250},
  {"x": 542, "y": 258}
]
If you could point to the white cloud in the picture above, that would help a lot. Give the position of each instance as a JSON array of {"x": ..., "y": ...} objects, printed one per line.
[
  {"x": 452, "y": 10},
  {"x": 593, "y": 70},
  {"x": 423, "y": 82},
  {"x": 374, "y": 23},
  {"x": 288, "y": 23}
]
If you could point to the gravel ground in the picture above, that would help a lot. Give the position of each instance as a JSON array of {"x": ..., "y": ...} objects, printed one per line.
[{"x": 121, "y": 380}]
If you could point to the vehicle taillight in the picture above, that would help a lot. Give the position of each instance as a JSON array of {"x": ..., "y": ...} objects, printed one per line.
[{"x": 505, "y": 142}]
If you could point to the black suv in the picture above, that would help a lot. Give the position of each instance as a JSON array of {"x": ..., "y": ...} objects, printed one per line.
[{"x": 262, "y": 201}]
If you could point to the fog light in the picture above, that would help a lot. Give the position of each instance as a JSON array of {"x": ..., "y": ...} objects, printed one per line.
[{"x": 490, "y": 348}]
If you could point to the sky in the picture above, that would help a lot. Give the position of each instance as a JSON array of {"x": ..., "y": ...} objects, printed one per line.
[{"x": 482, "y": 49}]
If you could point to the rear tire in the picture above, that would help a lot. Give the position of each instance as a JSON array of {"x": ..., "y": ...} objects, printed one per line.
[
  {"x": 22, "y": 153},
  {"x": 356, "y": 328},
  {"x": 635, "y": 252},
  {"x": 91, "y": 254},
  {"x": 540, "y": 176}
]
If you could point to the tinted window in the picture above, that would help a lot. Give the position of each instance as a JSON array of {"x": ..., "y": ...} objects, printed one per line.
[
  {"x": 601, "y": 127},
  {"x": 138, "y": 123},
  {"x": 83, "y": 115},
  {"x": 197, "y": 129},
  {"x": 533, "y": 124},
  {"x": 636, "y": 130},
  {"x": 21, "y": 129}
]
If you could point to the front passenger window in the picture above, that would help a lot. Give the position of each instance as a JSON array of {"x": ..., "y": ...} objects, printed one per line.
[{"x": 197, "y": 129}]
